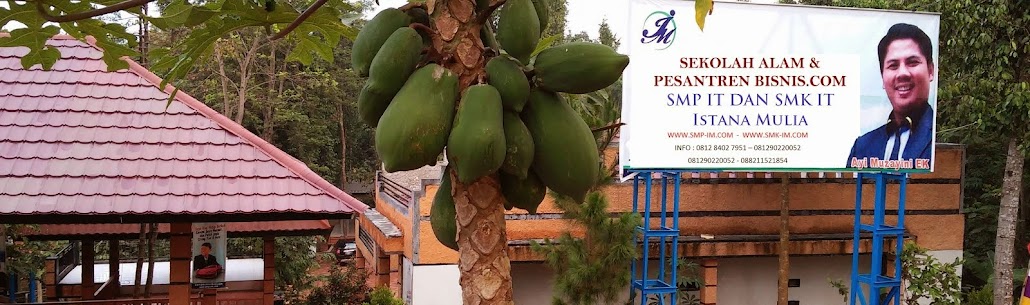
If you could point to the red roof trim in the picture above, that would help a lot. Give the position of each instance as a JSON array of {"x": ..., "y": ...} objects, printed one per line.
[{"x": 275, "y": 153}]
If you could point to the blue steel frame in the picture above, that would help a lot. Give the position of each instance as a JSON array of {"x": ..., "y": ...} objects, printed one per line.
[
  {"x": 666, "y": 232},
  {"x": 875, "y": 280}
]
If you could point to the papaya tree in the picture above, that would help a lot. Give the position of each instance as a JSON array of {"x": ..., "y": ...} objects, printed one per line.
[{"x": 438, "y": 83}]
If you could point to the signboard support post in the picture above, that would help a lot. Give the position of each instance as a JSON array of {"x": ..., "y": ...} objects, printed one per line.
[
  {"x": 666, "y": 234},
  {"x": 876, "y": 281}
]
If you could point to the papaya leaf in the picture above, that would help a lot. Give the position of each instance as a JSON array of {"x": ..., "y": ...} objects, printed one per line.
[
  {"x": 177, "y": 13},
  {"x": 545, "y": 43},
  {"x": 702, "y": 8},
  {"x": 23, "y": 13},
  {"x": 35, "y": 38}
]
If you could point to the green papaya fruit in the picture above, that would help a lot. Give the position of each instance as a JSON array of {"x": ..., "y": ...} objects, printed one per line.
[
  {"x": 519, "y": 155},
  {"x": 565, "y": 153},
  {"x": 486, "y": 35},
  {"x": 419, "y": 15},
  {"x": 543, "y": 12},
  {"x": 506, "y": 75},
  {"x": 413, "y": 131},
  {"x": 524, "y": 193},
  {"x": 390, "y": 68},
  {"x": 518, "y": 29},
  {"x": 442, "y": 215},
  {"x": 578, "y": 67},
  {"x": 372, "y": 36},
  {"x": 476, "y": 145}
]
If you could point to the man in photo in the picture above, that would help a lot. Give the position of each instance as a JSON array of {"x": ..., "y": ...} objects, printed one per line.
[
  {"x": 906, "y": 67},
  {"x": 205, "y": 259}
]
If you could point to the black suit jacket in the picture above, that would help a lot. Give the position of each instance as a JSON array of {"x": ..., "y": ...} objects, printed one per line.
[
  {"x": 200, "y": 262},
  {"x": 919, "y": 146}
]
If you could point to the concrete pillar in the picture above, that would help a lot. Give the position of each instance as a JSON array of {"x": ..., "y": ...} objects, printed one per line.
[
  {"x": 268, "y": 287},
  {"x": 710, "y": 272},
  {"x": 181, "y": 244},
  {"x": 88, "y": 259},
  {"x": 114, "y": 258},
  {"x": 359, "y": 258},
  {"x": 382, "y": 269}
]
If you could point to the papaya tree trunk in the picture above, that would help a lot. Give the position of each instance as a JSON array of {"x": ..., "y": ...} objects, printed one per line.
[
  {"x": 1006, "y": 238},
  {"x": 482, "y": 240},
  {"x": 784, "y": 272}
]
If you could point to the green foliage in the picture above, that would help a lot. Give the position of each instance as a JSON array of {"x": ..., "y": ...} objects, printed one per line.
[
  {"x": 926, "y": 278},
  {"x": 383, "y": 296},
  {"x": 207, "y": 21},
  {"x": 982, "y": 296},
  {"x": 342, "y": 286},
  {"x": 603, "y": 253},
  {"x": 25, "y": 256}
]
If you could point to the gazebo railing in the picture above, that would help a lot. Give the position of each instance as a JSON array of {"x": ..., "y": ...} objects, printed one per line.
[{"x": 66, "y": 260}]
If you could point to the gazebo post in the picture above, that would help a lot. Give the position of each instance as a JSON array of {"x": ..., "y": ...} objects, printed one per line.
[
  {"x": 179, "y": 263},
  {"x": 114, "y": 258},
  {"x": 268, "y": 287},
  {"x": 88, "y": 260}
]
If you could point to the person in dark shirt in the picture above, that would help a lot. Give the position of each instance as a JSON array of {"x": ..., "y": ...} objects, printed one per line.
[
  {"x": 205, "y": 258},
  {"x": 907, "y": 69}
]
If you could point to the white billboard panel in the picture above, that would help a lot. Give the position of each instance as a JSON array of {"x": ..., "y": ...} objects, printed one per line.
[{"x": 779, "y": 88}]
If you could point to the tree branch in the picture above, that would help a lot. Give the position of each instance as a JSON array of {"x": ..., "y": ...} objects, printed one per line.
[
  {"x": 89, "y": 14},
  {"x": 612, "y": 126},
  {"x": 300, "y": 19},
  {"x": 483, "y": 15}
]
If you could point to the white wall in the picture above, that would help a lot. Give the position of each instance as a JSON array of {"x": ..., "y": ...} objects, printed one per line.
[
  {"x": 435, "y": 285},
  {"x": 749, "y": 280},
  {"x": 753, "y": 280}
]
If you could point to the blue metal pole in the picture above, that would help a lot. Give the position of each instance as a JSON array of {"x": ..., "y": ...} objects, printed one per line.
[
  {"x": 647, "y": 236},
  {"x": 633, "y": 265},
  {"x": 855, "y": 289},
  {"x": 32, "y": 287},
  {"x": 12, "y": 288},
  {"x": 876, "y": 269},
  {"x": 675, "y": 240},
  {"x": 900, "y": 239},
  {"x": 661, "y": 245}
]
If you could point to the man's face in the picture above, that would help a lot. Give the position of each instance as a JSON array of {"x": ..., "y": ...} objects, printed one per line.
[
  {"x": 205, "y": 250},
  {"x": 906, "y": 75}
]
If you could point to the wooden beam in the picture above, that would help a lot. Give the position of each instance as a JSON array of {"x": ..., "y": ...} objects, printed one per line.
[
  {"x": 114, "y": 258},
  {"x": 88, "y": 261},
  {"x": 179, "y": 266},
  {"x": 268, "y": 287}
]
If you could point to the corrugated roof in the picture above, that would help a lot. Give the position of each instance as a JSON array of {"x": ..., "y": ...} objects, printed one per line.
[
  {"x": 78, "y": 140},
  {"x": 163, "y": 228}
]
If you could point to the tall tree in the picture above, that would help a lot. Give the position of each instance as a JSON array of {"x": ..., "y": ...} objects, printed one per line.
[{"x": 989, "y": 84}]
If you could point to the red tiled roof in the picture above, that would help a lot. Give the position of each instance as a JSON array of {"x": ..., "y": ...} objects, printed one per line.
[
  {"x": 162, "y": 228},
  {"x": 78, "y": 140}
]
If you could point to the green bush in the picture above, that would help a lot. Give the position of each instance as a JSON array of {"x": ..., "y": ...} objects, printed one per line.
[
  {"x": 383, "y": 296},
  {"x": 342, "y": 286}
]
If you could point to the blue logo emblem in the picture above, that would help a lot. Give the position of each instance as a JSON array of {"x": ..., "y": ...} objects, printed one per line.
[{"x": 664, "y": 31}]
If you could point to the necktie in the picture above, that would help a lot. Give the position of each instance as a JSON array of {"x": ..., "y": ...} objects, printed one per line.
[{"x": 897, "y": 143}]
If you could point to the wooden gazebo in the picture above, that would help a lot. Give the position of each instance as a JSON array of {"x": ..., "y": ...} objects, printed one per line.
[{"x": 90, "y": 154}]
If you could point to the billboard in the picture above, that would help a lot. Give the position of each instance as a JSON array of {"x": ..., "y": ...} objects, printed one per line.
[
  {"x": 779, "y": 88},
  {"x": 209, "y": 241}
]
